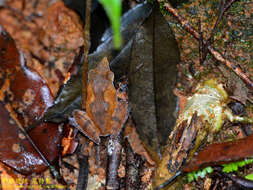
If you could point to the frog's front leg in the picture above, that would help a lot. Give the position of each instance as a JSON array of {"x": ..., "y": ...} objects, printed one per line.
[{"x": 85, "y": 125}]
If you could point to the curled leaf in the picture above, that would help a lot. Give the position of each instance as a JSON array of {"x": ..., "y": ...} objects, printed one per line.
[{"x": 24, "y": 97}]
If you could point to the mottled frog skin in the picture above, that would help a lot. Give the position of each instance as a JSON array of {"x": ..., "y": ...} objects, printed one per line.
[
  {"x": 105, "y": 113},
  {"x": 203, "y": 115}
]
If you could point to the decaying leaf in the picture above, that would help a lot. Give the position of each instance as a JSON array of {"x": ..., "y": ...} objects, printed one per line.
[
  {"x": 24, "y": 97},
  {"x": 133, "y": 138},
  {"x": 203, "y": 115},
  {"x": 68, "y": 143},
  {"x": 153, "y": 74},
  {"x": 47, "y": 32},
  {"x": 220, "y": 153},
  {"x": 62, "y": 28}
]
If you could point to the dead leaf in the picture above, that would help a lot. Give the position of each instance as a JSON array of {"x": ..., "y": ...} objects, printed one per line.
[
  {"x": 24, "y": 97},
  {"x": 151, "y": 85},
  {"x": 220, "y": 153},
  {"x": 135, "y": 142},
  {"x": 62, "y": 27},
  {"x": 69, "y": 143},
  {"x": 8, "y": 181}
]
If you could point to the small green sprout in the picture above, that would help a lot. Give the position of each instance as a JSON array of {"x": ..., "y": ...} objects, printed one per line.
[
  {"x": 249, "y": 177},
  {"x": 113, "y": 11},
  {"x": 233, "y": 166},
  {"x": 199, "y": 173},
  {"x": 227, "y": 168}
]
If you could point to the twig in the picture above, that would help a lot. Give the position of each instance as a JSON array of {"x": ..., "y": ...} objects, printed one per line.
[
  {"x": 86, "y": 51},
  {"x": 218, "y": 56},
  {"x": 114, "y": 152},
  {"x": 201, "y": 45},
  {"x": 223, "y": 8},
  {"x": 169, "y": 181},
  {"x": 83, "y": 172},
  {"x": 221, "y": 13},
  {"x": 239, "y": 181},
  {"x": 132, "y": 169}
]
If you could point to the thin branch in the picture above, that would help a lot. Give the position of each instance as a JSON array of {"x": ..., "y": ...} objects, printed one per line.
[
  {"x": 114, "y": 153},
  {"x": 218, "y": 56},
  {"x": 201, "y": 45},
  {"x": 86, "y": 51},
  {"x": 223, "y": 8},
  {"x": 221, "y": 13},
  {"x": 83, "y": 171}
]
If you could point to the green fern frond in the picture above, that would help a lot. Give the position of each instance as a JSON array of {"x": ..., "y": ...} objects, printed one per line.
[{"x": 227, "y": 168}]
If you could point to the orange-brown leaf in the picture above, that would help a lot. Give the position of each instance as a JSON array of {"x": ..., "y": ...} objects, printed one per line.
[
  {"x": 135, "y": 142},
  {"x": 219, "y": 153}
]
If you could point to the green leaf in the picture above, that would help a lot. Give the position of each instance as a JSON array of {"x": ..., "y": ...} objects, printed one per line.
[
  {"x": 190, "y": 177},
  {"x": 113, "y": 11},
  {"x": 231, "y": 167},
  {"x": 249, "y": 177},
  {"x": 199, "y": 173},
  {"x": 227, "y": 168},
  {"x": 209, "y": 169}
]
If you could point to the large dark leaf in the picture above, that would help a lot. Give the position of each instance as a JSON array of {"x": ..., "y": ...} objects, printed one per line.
[
  {"x": 24, "y": 97},
  {"x": 156, "y": 54},
  {"x": 69, "y": 97}
]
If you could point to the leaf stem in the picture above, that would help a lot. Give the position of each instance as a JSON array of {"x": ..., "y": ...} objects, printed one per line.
[{"x": 86, "y": 51}]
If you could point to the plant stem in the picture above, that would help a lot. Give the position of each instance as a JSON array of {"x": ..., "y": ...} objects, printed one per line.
[{"x": 86, "y": 51}]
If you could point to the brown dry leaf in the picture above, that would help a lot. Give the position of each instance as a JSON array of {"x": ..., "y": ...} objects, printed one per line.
[
  {"x": 182, "y": 100},
  {"x": 62, "y": 27},
  {"x": 220, "y": 153},
  {"x": 50, "y": 34},
  {"x": 68, "y": 143},
  {"x": 135, "y": 142},
  {"x": 24, "y": 97}
]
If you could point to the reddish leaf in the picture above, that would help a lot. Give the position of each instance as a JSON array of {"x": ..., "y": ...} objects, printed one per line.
[
  {"x": 17, "y": 152},
  {"x": 220, "y": 153},
  {"x": 69, "y": 143},
  {"x": 135, "y": 142},
  {"x": 24, "y": 97},
  {"x": 22, "y": 87}
]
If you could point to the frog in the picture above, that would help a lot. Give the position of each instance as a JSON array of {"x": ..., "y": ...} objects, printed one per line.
[
  {"x": 106, "y": 109},
  {"x": 202, "y": 117}
]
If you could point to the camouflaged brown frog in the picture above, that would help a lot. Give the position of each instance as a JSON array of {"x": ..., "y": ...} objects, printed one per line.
[{"x": 105, "y": 113}]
